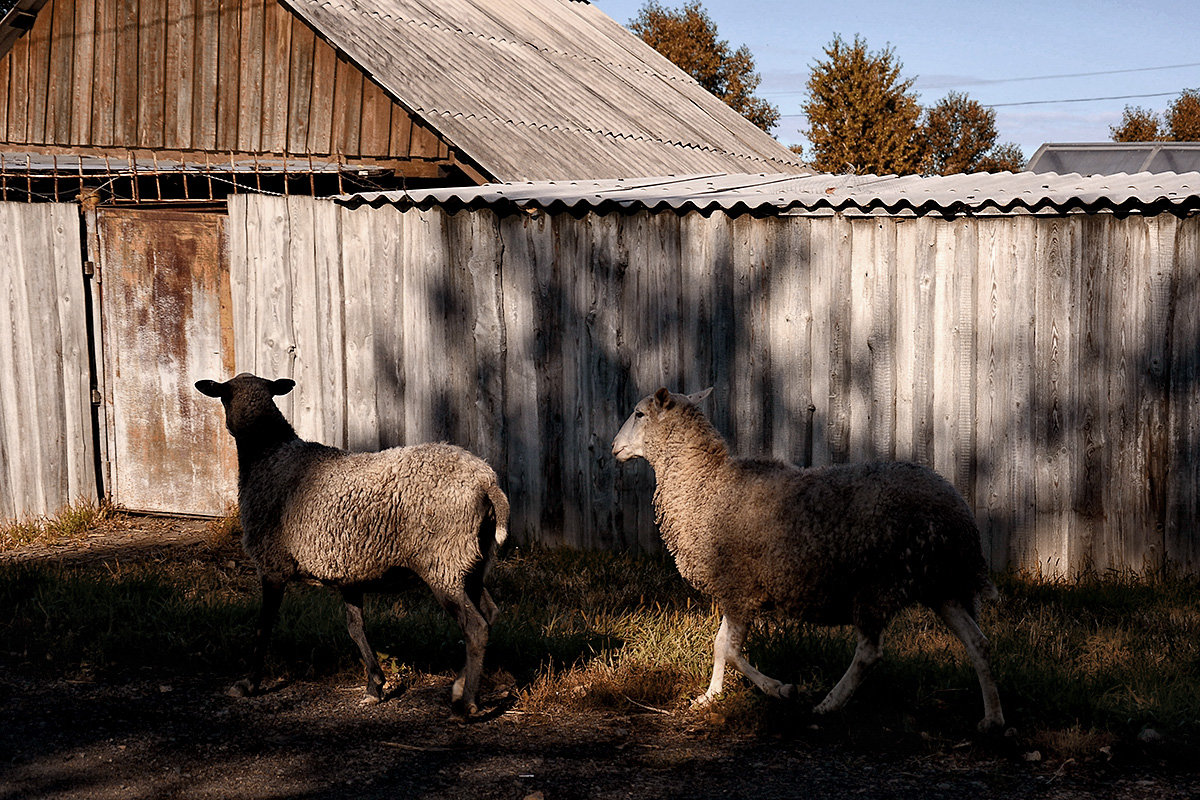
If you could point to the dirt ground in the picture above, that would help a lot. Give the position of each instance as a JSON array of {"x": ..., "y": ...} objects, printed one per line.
[{"x": 138, "y": 736}]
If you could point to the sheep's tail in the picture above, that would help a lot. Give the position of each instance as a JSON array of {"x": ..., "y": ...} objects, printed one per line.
[{"x": 500, "y": 507}]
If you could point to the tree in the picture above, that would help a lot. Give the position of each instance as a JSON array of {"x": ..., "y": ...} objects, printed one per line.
[
  {"x": 960, "y": 136},
  {"x": 1183, "y": 117},
  {"x": 1003, "y": 157},
  {"x": 1137, "y": 125},
  {"x": 688, "y": 37},
  {"x": 861, "y": 115}
]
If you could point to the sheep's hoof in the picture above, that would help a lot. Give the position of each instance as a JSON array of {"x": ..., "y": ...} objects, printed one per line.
[
  {"x": 787, "y": 691},
  {"x": 990, "y": 725},
  {"x": 464, "y": 709},
  {"x": 370, "y": 700},
  {"x": 243, "y": 688},
  {"x": 703, "y": 701},
  {"x": 825, "y": 707}
]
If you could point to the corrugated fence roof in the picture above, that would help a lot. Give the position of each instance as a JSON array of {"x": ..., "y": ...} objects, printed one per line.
[
  {"x": 766, "y": 194},
  {"x": 543, "y": 89}
]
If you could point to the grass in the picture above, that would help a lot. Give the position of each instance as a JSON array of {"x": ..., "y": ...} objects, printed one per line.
[
  {"x": 1082, "y": 664},
  {"x": 70, "y": 523}
]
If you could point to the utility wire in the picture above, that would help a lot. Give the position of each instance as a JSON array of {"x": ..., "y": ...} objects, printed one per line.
[
  {"x": 1078, "y": 100},
  {"x": 990, "y": 81}
]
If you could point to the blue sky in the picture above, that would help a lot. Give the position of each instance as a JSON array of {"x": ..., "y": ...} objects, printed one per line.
[{"x": 998, "y": 53}]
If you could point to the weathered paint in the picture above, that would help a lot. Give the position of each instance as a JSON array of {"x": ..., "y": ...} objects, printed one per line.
[{"x": 167, "y": 317}]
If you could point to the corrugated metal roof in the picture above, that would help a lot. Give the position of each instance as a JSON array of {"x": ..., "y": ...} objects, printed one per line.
[
  {"x": 766, "y": 194},
  {"x": 1111, "y": 158},
  {"x": 543, "y": 89},
  {"x": 16, "y": 19}
]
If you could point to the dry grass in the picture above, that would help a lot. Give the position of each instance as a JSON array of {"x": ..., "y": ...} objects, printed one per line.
[
  {"x": 69, "y": 524},
  {"x": 1081, "y": 664}
]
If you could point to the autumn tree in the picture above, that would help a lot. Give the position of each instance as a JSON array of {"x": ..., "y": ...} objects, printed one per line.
[
  {"x": 688, "y": 37},
  {"x": 1137, "y": 125},
  {"x": 1002, "y": 157},
  {"x": 959, "y": 135},
  {"x": 862, "y": 116},
  {"x": 1183, "y": 117}
]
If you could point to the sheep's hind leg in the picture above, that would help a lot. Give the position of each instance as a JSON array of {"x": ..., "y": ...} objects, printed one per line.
[
  {"x": 272, "y": 596},
  {"x": 728, "y": 647},
  {"x": 962, "y": 623},
  {"x": 866, "y": 654},
  {"x": 353, "y": 597},
  {"x": 475, "y": 633}
]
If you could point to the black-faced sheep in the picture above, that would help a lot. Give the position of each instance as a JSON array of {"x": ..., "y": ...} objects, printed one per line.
[
  {"x": 850, "y": 544},
  {"x": 352, "y": 520}
]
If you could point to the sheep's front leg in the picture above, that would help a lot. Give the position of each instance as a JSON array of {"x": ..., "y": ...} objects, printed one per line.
[
  {"x": 728, "y": 647},
  {"x": 866, "y": 654},
  {"x": 353, "y": 597},
  {"x": 272, "y": 597}
]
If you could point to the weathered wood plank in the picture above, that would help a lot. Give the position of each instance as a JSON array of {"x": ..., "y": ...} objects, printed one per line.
[
  {"x": 231, "y": 92},
  {"x": 348, "y": 91},
  {"x": 821, "y": 283},
  {"x": 520, "y": 235},
  {"x": 321, "y": 103},
  {"x": 206, "y": 71},
  {"x": 789, "y": 332},
  {"x": 249, "y": 74},
  {"x": 39, "y": 39},
  {"x": 18, "y": 91},
  {"x": 1182, "y": 535},
  {"x": 277, "y": 43},
  {"x": 905, "y": 309},
  {"x": 71, "y": 349},
  {"x": 60, "y": 101},
  {"x": 995, "y": 312},
  {"x": 181, "y": 23},
  {"x": 151, "y": 89},
  {"x": 362, "y": 369},
  {"x": 301, "y": 88}
]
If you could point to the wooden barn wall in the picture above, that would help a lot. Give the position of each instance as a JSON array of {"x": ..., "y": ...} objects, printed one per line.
[
  {"x": 1046, "y": 365},
  {"x": 195, "y": 75},
  {"x": 47, "y": 459}
]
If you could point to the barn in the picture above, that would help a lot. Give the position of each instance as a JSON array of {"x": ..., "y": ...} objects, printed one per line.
[
  {"x": 495, "y": 271},
  {"x": 136, "y": 121}
]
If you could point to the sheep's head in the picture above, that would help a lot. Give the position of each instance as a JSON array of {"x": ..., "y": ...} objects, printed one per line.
[
  {"x": 248, "y": 399},
  {"x": 646, "y": 418}
]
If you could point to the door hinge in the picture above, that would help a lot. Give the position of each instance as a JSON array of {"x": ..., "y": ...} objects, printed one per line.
[
  {"x": 96, "y": 398},
  {"x": 89, "y": 269}
]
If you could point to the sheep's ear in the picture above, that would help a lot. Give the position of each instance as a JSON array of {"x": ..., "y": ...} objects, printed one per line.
[
  {"x": 663, "y": 398},
  {"x": 282, "y": 386},
  {"x": 211, "y": 388},
  {"x": 698, "y": 396}
]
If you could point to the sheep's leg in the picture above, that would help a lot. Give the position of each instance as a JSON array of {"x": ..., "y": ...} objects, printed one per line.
[
  {"x": 728, "y": 647},
  {"x": 475, "y": 634},
  {"x": 866, "y": 654},
  {"x": 963, "y": 625},
  {"x": 353, "y": 597},
  {"x": 488, "y": 606},
  {"x": 272, "y": 597}
]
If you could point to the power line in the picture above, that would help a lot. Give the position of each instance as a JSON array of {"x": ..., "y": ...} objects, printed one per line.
[
  {"x": 990, "y": 81},
  {"x": 1087, "y": 74},
  {"x": 1078, "y": 100}
]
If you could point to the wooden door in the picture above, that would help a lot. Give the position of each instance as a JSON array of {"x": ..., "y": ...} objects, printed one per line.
[{"x": 167, "y": 322}]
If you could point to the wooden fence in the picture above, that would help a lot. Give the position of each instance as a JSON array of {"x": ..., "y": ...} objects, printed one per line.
[
  {"x": 1046, "y": 364},
  {"x": 47, "y": 453}
]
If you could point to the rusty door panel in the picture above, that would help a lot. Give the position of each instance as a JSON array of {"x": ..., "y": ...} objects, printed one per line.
[{"x": 167, "y": 323}]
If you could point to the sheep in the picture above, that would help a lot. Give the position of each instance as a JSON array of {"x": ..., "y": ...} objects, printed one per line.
[
  {"x": 845, "y": 544},
  {"x": 353, "y": 520}
]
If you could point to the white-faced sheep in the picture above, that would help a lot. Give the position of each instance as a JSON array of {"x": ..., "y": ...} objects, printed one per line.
[
  {"x": 352, "y": 520},
  {"x": 847, "y": 544}
]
